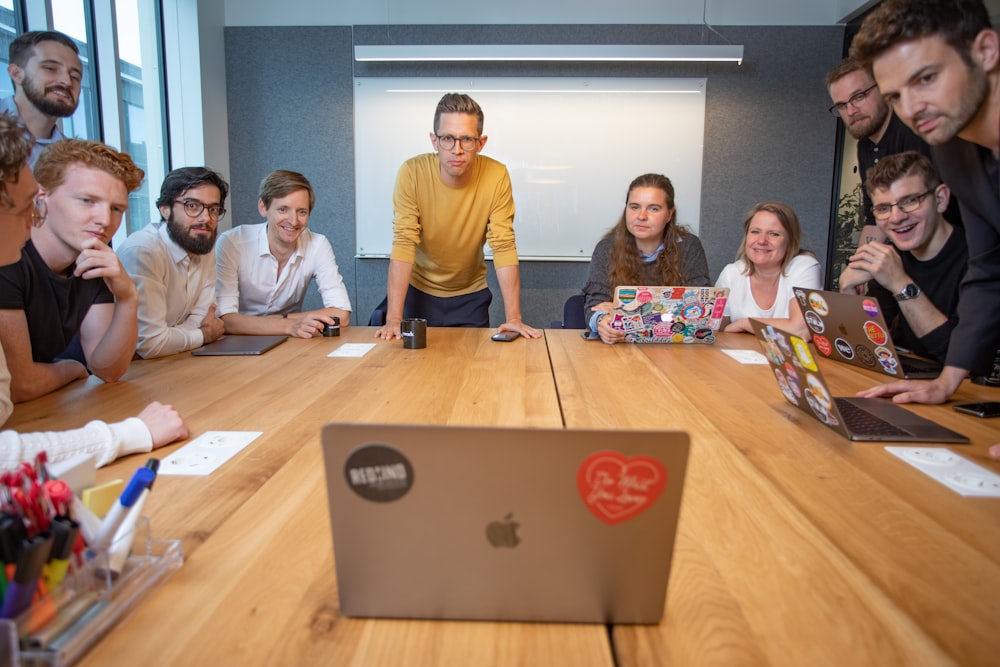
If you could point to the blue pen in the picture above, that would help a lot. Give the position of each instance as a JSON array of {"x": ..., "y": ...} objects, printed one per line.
[{"x": 140, "y": 481}]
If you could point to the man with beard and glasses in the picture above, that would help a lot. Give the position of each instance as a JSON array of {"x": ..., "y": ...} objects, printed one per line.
[
  {"x": 937, "y": 63},
  {"x": 69, "y": 282},
  {"x": 878, "y": 131},
  {"x": 46, "y": 71},
  {"x": 172, "y": 263}
]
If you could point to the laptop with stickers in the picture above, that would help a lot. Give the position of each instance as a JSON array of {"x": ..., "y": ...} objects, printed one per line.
[
  {"x": 669, "y": 314},
  {"x": 468, "y": 523},
  {"x": 850, "y": 328},
  {"x": 863, "y": 419}
]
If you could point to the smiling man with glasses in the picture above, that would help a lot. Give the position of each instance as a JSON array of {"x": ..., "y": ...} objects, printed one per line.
[
  {"x": 447, "y": 205},
  {"x": 924, "y": 260},
  {"x": 173, "y": 264}
]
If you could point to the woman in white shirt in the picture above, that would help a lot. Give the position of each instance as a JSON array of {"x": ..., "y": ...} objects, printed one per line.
[{"x": 769, "y": 263}]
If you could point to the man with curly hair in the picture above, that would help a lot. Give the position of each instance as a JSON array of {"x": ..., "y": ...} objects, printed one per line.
[
  {"x": 937, "y": 62},
  {"x": 69, "y": 281}
]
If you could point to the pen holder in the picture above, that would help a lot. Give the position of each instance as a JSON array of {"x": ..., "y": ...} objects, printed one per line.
[{"x": 57, "y": 630}]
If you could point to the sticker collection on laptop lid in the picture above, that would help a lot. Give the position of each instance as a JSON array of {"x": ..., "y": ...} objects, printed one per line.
[
  {"x": 797, "y": 374},
  {"x": 669, "y": 314},
  {"x": 615, "y": 487},
  {"x": 835, "y": 338}
]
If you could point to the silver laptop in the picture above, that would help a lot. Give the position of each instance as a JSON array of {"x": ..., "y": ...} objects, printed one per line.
[
  {"x": 850, "y": 328},
  {"x": 232, "y": 345},
  {"x": 865, "y": 419},
  {"x": 501, "y": 524}
]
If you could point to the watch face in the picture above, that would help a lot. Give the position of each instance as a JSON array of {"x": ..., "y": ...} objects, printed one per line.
[{"x": 909, "y": 292}]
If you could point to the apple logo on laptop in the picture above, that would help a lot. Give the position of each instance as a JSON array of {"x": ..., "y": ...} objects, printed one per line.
[{"x": 503, "y": 532}]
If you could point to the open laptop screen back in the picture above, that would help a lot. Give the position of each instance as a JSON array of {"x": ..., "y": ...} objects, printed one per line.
[
  {"x": 666, "y": 314},
  {"x": 503, "y": 524}
]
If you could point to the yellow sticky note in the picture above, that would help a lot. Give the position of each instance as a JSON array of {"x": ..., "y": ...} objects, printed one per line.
[{"x": 99, "y": 499}]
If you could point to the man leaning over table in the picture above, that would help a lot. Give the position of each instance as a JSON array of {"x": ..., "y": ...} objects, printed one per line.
[
  {"x": 938, "y": 65},
  {"x": 155, "y": 426},
  {"x": 446, "y": 205},
  {"x": 172, "y": 263},
  {"x": 263, "y": 270},
  {"x": 69, "y": 282},
  {"x": 923, "y": 263}
]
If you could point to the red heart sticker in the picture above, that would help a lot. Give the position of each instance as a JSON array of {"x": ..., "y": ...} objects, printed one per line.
[{"x": 616, "y": 487}]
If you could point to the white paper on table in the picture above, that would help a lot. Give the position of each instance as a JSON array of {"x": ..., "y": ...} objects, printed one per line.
[
  {"x": 956, "y": 472},
  {"x": 207, "y": 452},
  {"x": 747, "y": 356},
  {"x": 352, "y": 350}
]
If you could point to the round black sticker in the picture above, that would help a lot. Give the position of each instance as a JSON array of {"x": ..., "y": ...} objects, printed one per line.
[{"x": 378, "y": 473}]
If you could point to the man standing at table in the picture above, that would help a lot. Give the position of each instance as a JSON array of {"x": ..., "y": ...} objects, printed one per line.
[
  {"x": 69, "y": 282},
  {"x": 46, "y": 71},
  {"x": 172, "y": 263},
  {"x": 923, "y": 263},
  {"x": 938, "y": 64},
  {"x": 447, "y": 204},
  {"x": 155, "y": 426}
]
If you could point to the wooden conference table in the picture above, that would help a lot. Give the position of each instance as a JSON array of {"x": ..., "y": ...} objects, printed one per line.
[{"x": 795, "y": 547}]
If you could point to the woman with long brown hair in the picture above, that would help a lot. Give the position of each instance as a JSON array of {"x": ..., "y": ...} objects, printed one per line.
[{"x": 645, "y": 247}]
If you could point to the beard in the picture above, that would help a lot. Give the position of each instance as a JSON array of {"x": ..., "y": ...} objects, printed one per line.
[
  {"x": 870, "y": 125},
  {"x": 50, "y": 107},
  {"x": 196, "y": 245}
]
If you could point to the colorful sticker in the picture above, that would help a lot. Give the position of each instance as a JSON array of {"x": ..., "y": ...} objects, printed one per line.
[
  {"x": 819, "y": 391},
  {"x": 803, "y": 354},
  {"x": 615, "y": 487},
  {"x": 784, "y": 386},
  {"x": 644, "y": 297},
  {"x": 818, "y": 303},
  {"x": 844, "y": 348},
  {"x": 886, "y": 358},
  {"x": 870, "y": 306},
  {"x": 815, "y": 322},
  {"x": 822, "y": 344},
  {"x": 875, "y": 333},
  {"x": 801, "y": 296},
  {"x": 378, "y": 473}
]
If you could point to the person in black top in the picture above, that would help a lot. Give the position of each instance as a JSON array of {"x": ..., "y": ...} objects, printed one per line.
[{"x": 938, "y": 64}]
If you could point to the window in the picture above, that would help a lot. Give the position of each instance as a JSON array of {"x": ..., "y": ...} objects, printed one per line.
[{"x": 122, "y": 96}]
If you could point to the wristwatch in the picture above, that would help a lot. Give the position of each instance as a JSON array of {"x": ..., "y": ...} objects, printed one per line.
[{"x": 911, "y": 291}]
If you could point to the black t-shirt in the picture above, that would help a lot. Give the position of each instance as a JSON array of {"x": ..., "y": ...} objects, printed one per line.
[
  {"x": 939, "y": 279},
  {"x": 54, "y": 305}
]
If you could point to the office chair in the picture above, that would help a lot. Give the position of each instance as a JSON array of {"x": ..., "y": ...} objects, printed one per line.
[{"x": 572, "y": 314}]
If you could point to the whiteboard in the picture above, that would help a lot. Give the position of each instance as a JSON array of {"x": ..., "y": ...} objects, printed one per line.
[{"x": 572, "y": 146}]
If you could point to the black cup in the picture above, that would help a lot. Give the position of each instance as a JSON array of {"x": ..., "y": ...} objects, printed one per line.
[
  {"x": 414, "y": 332},
  {"x": 330, "y": 330}
]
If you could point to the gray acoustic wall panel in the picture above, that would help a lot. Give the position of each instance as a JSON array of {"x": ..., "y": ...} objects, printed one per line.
[{"x": 767, "y": 133}]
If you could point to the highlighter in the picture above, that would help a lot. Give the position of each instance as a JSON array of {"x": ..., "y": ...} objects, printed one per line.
[
  {"x": 140, "y": 481},
  {"x": 64, "y": 531}
]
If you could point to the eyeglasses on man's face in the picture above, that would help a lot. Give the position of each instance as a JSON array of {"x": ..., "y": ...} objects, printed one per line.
[
  {"x": 855, "y": 101},
  {"x": 907, "y": 204},
  {"x": 447, "y": 142},
  {"x": 193, "y": 208}
]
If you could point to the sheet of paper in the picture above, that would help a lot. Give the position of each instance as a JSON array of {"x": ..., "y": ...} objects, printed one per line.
[
  {"x": 747, "y": 356},
  {"x": 207, "y": 452},
  {"x": 956, "y": 472},
  {"x": 352, "y": 350}
]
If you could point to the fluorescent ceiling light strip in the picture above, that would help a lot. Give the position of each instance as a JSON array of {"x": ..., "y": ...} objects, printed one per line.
[{"x": 549, "y": 53}]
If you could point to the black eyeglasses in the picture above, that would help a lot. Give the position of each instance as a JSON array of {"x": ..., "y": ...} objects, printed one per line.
[
  {"x": 447, "y": 142},
  {"x": 193, "y": 208},
  {"x": 907, "y": 204},
  {"x": 855, "y": 101}
]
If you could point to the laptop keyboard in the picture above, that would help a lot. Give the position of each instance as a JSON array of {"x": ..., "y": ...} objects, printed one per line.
[{"x": 861, "y": 422}]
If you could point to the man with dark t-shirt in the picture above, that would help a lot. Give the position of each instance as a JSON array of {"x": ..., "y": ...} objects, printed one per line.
[
  {"x": 69, "y": 282},
  {"x": 938, "y": 65},
  {"x": 922, "y": 265}
]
